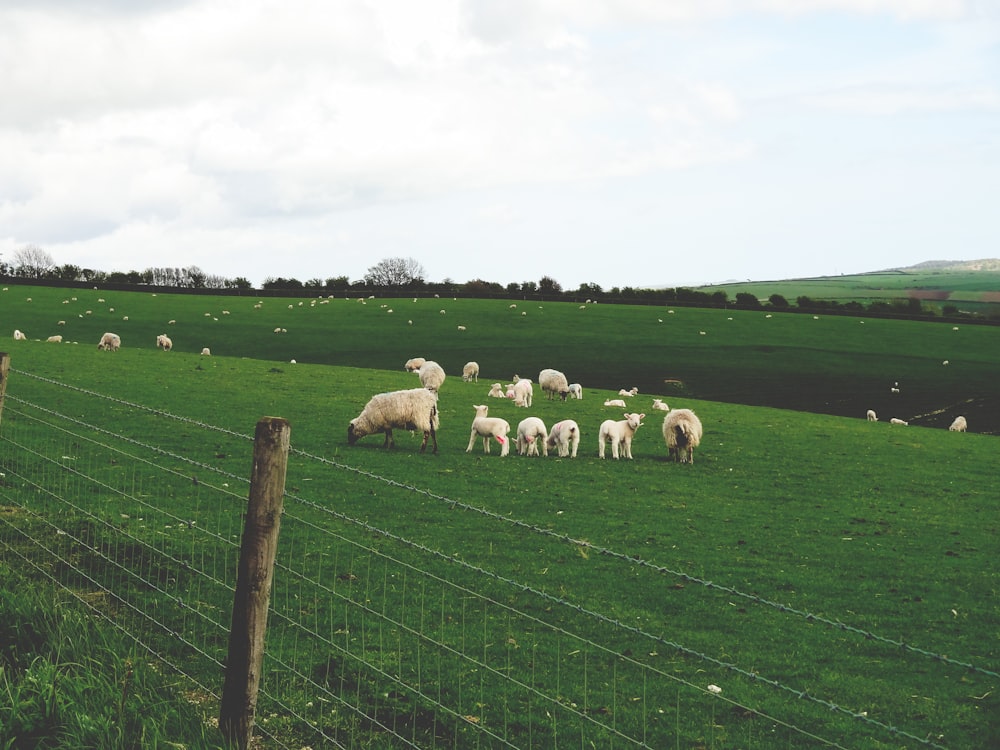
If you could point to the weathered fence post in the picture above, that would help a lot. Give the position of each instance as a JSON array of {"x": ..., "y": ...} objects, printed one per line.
[
  {"x": 4, "y": 370},
  {"x": 253, "y": 581}
]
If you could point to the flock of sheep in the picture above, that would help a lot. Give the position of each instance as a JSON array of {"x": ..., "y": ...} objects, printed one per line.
[{"x": 416, "y": 409}]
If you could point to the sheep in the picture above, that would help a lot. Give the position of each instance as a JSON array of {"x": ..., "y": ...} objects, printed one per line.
[
  {"x": 894, "y": 420},
  {"x": 630, "y": 392},
  {"x": 660, "y": 405},
  {"x": 682, "y": 432},
  {"x": 564, "y": 437},
  {"x": 461, "y": 328},
  {"x": 575, "y": 391},
  {"x": 489, "y": 427},
  {"x": 414, "y": 409},
  {"x": 57, "y": 339},
  {"x": 19, "y": 336},
  {"x": 110, "y": 342},
  {"x": 523, "y": 392},
  {"x": 496, "y": 391},
  {"x": 61, "y": 323},
  {"x": 412, "y": 365},
  {"x": 206, "y": 352},
  {"x": 431, "y": 375},
  {"x": 959, "y": 425},
  {"x": 553, "y": 382},
  {"x": 163, "y": 342},
  {"x": 470, "y": 373},
  {"x": 530, "y": 432},
  {"x": 616, "y": 402},
  {"x": 872, "y": 416},
  {"x": 619, "y": 434}
]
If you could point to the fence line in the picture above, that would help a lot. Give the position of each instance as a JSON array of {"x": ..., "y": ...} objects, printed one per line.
[{"x": 370, "y": 634}]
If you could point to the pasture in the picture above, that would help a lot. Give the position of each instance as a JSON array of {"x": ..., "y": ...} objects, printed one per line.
[{"x": 853, "y": 562}]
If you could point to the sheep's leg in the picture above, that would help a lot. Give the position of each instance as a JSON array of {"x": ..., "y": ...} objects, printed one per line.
[
  {"x": 472, "y": 441},
  {"x": 388, "y": 442}
]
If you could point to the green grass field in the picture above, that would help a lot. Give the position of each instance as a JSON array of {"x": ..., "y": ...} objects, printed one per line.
[{"x": 888, "y": 529}]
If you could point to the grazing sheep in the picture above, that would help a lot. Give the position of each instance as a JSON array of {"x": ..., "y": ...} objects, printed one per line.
[
  {"x": 959, "y": 425},
  {"x": 660, "y": 405},
  {"x": 553, "y": 382},
  {"x": 57, "y": 339},
  {"x": 872, "y": 416},
  {"x": 431, "y": 375},
  {"x": 898, "y": 421},
  {"x": 496, "y": 391},
  {"x": 61, "y": 323},
  {"x": 523, "y": 392},
  {"x": 206, "y": 352},
  {"x": 682, "y": 432},
  {"x": 575, "y": 391},
  {"x": 163, "y": 342},
  {"x": 630, "y": 392},
  {"x": 470, "y": 373},
  {"x": 18, "y": 336},
  {"x": 530, "y": 433},
  {"x": 412, "y": 365},
  {"x": 619, "y": 434},
  {"x": 564, "y": 437},
  {"x": 110, "y": 342},
  {"x": 414, "y": 409},
  {"x": 487, "y": 428},
  {"x": 461, "y": 328},
  {"x": 616, "y": 402}
]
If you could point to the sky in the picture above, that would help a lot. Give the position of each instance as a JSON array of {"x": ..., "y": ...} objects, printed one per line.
[{"x": 640, "y": 143}]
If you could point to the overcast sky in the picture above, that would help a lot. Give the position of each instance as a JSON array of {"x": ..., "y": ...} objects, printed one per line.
[{"x": 617, "y": 142}]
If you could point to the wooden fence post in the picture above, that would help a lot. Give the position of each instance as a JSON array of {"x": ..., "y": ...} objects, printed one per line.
[
  {"x": 4, "y": 371},
  {"x": 253, "y": 581}
]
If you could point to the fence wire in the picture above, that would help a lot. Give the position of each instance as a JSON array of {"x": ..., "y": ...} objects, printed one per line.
[{"x": 375, "y": 639}]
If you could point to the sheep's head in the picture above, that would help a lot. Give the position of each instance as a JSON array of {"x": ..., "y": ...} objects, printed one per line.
[
  {"x": 352, "y": 435},
  {"x": 634, "y": 420},
  {"x": 481, "y": 409}
]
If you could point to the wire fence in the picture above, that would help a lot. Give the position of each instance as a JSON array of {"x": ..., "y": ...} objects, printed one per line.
[{"x": 375, "y": 639}]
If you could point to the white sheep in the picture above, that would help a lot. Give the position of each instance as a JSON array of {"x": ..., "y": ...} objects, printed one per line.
[
  {"x": 57, "y": 339},
  {"x": 489, "y": 428},
  {"x": 414, "y": 409},
  {"x": 894, "y": 420},
  {"x": 552, "y": 383},
  {"x": 530, "y": 433},
  {"x": 564, "y": 437},
  {"x": 575, "y": 391},
  {"x": 619, "y": 434},
  {"x": 496, "y": 391},
  {"x": 682, "y": 432},
  {"x": 110, "y": 342},
  {"x": 630, "y": 392},
  {"x": 470, "y": 373},
  {"x": 959, "y": 425},
  {"x": 206, "y": 352},
  {"x": 19, "y": 336},
  {"x": 163, "y": 342},
  {"x": 412, "y": 365},
  {"x": 523, "y": 392},
  {"x": 872, "y": 416},
  {"x": 660, "y": 405},
  {"x": 431, "y": 375},
  {"x": 616, "y": 402}
]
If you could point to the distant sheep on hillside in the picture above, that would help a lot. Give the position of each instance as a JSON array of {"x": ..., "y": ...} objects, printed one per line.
[
  {"x": 552, "y": 383},
  {"x": 470, "y": 373},
  {"x": 959, "y": 425},
  {"x": 872, "y": 416},
  {"x": 110, "y": 342}
]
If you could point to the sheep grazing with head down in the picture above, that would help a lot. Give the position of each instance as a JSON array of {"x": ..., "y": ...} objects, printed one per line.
[
  {"x": 470, "y": 373},
  {"x": 619, "y": 434},
  {"x": 57, "y": 339},
  {"x": 531, "y": 433},
  {"x": 896, "y": 420},
  {"x": 872, "y": 416},
  {"x": 496, "y": 391},
  {"x": 959, "y": 425},
  {"x": 412, "y": 365},
  {"x": 564, "y": 437},
  {"x": 682, "y": 431},
  {"x": 414, "y": 409},
  {"x": 553, "y": 383},
  {"x": 19, "y": 336},
  {"x": 576, "y": 391},
  {"x": 163, "y": 342},
  {"x": 489, "y": 428},
  {"x": 431, "y": 375},
  {"x": 110, "y": 342},
  {"x": 523, "y": 392}
]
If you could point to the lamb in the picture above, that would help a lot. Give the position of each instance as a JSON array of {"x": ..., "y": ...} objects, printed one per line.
[
  {"x": 470, "y": 373},
  {"x": 660, "y": 405},
  {"x": 530, "y": 433},
  {"x": 619, "y": 434},
  {"x": 496, "y": 391},
  {"x": 110, "y": 342},
  {"x": 576, "y": 391},
  {"x": 872, "y": 416},
  {"x": 412, "y": 365},
  {"x": 57, "y": 339},
  {"x": 682, "y": 432},
  {"x": 489, "y": 427},
  {"x": 630, "y": 392},
  {"x": 616, "y": 402},
  {"x": 206, "y": 352},
  {"x": 414, "y": 409},
  {"x": 19, "y": 336},
  {"x": 163, "y": 342},
  {"x": 431, "y": 375},
  {"x": 959, "y": 425},
  {"x": 564, "y": 437},
  {"x": 553, "y": 382},
  {"x": 894, "y": 420},
  {"x": 523, "y": 392}
]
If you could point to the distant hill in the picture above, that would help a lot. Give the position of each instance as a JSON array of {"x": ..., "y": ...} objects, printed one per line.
[{"x": 985, "y": 264}]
